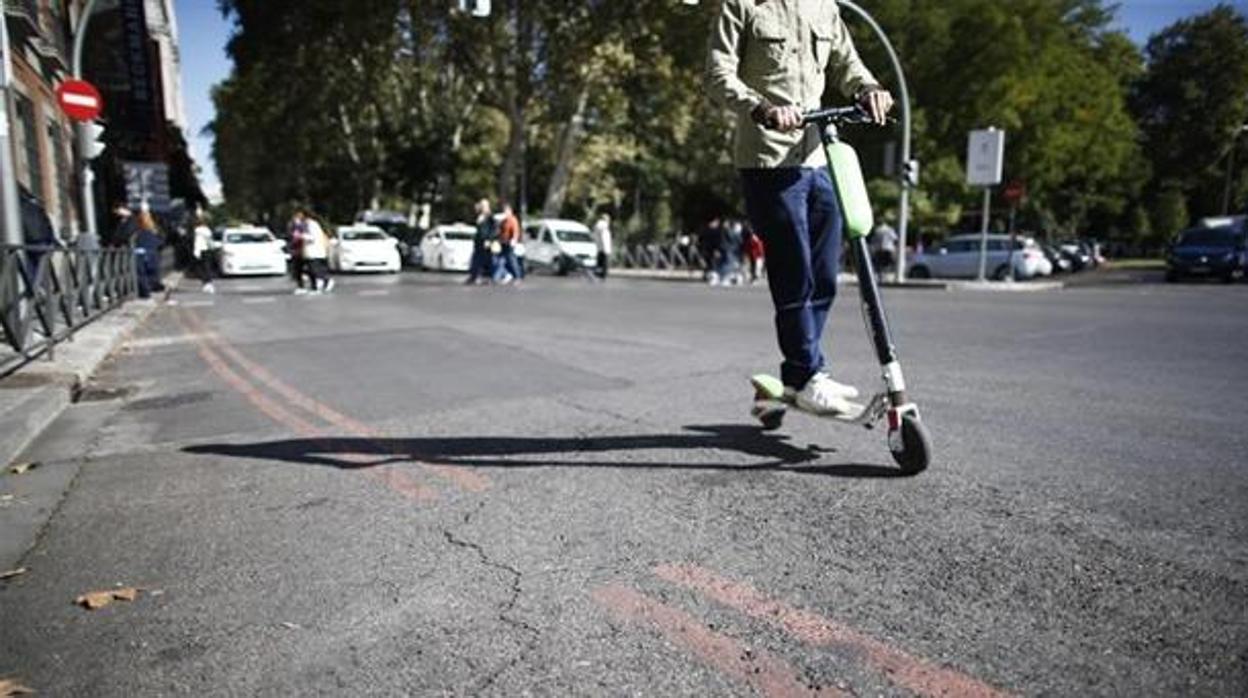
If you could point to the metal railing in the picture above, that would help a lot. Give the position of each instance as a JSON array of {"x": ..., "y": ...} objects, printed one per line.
[
  {"x": 667, "y": 256},
  {"x": 47, "y": 293}
]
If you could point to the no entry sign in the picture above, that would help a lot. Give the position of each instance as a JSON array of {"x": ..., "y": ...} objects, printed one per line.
[{"x": 80, "y": 100}]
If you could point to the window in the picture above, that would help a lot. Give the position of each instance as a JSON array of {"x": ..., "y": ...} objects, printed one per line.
[
  {"x": 28, "y": 147},
  {"x": 61, "y": 175}
]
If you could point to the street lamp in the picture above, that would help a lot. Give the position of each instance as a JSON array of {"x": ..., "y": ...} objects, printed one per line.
[
  {"x": 1230, "y": 169},
  {"x": 910, "y": 167}
]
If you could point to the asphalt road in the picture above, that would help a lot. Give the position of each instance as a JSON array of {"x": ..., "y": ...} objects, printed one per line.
[{"x": 415, "y": 487}]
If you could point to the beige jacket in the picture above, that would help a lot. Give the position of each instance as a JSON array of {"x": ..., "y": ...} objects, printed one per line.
[{"x": 780, "y": 51}]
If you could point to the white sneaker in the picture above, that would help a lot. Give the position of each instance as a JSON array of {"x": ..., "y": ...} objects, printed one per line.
[
  {"x": 329, "y": 286},
  {"x": 301, "y": 291},
  {"x": 209, "y": 288},
  {"x": 822, "y": 395}
]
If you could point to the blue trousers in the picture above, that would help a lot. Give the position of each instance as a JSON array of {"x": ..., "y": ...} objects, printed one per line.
[{"x": 797, "y": 213}]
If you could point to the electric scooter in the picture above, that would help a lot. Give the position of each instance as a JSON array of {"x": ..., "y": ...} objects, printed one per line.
[{"x": 907, "y": 438}]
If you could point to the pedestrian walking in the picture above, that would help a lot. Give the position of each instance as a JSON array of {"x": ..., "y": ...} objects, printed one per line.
[
  {"x": 883, "y": 241},
  {"x": 509, "y": 240},
  {"x": 481, "y": 266},
  {"x": 602, "y": 238},
  {"x": 316, "y": 255},
  {"x": 729, "y": 262},
  {"x": 147, "y": 244},
  {"x": 754, "y": 251},
  {"x": 126, "y": 229},
  {"x": 297, "y": 229},
  {"x": 201, "y": 253},
  {"x": 709, "y": 242},
  {"x": 769, "y": 62}
]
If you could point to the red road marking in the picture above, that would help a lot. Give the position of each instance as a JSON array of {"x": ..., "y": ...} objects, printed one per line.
[
  {"x": 397, "y": 481},
  {"x": 467, "y": 480},
  {"x": 912, "y": 673},
  {"x": 764, "y": 672}
]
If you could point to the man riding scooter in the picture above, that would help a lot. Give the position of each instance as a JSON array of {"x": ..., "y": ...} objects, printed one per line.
[{"x": 768, "y": 62}]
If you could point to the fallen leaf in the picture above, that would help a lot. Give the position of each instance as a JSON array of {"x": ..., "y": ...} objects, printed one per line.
[
  {"x": 22, "y": 468},
  {"x": 126, "y": 594},
  {"x": 10, "y": 687},
  {"x": 13, "y": 573},
  {"x": 95, "y": 600}
]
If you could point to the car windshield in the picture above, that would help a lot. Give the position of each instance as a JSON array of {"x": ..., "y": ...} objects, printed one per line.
[
  {"x": 457, "y": 235},
  {"x": 363, "y": 235},
  {"x": 1208, "y": 237},
  {"x": 573, "y": 236},
  {"x": 247, "y": 238}
]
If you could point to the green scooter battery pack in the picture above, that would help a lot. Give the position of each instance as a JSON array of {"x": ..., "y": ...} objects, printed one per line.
[{"x": 851, "y": 190}]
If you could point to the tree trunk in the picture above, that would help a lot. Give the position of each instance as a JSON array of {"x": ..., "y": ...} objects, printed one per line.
[{"x": 557, "y": 191}]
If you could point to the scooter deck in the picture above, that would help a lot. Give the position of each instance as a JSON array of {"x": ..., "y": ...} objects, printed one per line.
[{"x": 770, "y": 402}]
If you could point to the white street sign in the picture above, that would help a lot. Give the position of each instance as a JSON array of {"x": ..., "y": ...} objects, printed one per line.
[{"x": 985, "y": 157}]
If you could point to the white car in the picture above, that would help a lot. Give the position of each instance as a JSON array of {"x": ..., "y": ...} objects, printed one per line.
[
  {"x": 559, "y": 245},
  {"x": 363, "y": 247},
  {"x": 958, "y": 257},
  {"x": 448, "y": 247},
  {"x": 249, "y": 250}
]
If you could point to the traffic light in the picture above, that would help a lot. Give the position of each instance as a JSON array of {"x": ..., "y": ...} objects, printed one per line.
[
  {"x": 93, "y": 144},
  {"x": 478, "y": 8},
  {"x": 910, "y": 173}
]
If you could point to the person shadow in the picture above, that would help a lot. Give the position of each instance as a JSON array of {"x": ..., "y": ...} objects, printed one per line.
[{"x": 770, "y": 451}]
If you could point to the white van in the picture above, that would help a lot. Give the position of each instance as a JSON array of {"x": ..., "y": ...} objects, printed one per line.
[{"x": 559, "y": 245}]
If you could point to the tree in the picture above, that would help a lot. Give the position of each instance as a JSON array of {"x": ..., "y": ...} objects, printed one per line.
[{"x": 1192, "y": 100}]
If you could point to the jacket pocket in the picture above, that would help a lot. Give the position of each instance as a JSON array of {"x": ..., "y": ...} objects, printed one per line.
[
  {"x": 823, "y": 37},
  {"x": 770, "y": 38}
]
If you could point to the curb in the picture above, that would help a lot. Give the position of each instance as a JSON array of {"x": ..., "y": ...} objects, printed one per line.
[{"x": 52, "y": 386}]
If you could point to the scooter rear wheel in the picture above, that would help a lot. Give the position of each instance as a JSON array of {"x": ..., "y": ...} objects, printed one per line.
[{"x": 916, "y": 448}]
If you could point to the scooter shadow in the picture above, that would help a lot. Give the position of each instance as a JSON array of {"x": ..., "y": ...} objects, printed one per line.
[{"x": 773, "y": 452}]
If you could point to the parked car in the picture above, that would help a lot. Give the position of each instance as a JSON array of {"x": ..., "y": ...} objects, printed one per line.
[
  {"x": 408, "y": 239},
  {"x": 1220, "y": 252},
  {"x": 362, "y": 247},
  {"x": 248, "y": 250},
  {"x": 1079, "y": 254},
  {"x": 448, "y": 247},
  {"x": 559, "y": 246},
  {"x": 1061, "y": 264},
  {"x": 958, "y": 257}
]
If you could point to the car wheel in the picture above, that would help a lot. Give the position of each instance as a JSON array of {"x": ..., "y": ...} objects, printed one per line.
[
  {"x": 920, "y": 272},
  {"x": 1001, "y": 273},
  {"x": 1171, "y": 276}
]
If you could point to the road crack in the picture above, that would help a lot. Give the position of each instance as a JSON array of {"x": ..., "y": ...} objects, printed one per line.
[{"x": 505, "y": 613}]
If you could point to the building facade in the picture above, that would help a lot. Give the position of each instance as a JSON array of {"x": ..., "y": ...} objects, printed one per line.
[
  {"x": 42, "y": 137},
  {"x": 131, "y": 54}
]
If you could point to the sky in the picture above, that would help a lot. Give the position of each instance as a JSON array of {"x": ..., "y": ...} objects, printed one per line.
[{"x": 204, "y": 34}]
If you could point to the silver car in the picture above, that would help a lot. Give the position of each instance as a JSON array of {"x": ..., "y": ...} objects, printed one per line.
[{"x": 958, "y": 257}]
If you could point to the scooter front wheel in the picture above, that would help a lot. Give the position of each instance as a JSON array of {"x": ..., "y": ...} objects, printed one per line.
[{"x": 916, "y": 448}]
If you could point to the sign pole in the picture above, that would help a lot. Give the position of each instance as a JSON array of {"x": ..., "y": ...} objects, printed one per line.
[
  {"x": 84, "y": 131},
  {"x": 985, "y": 162},
  {"x": 12, "y": 221},
  {"x": 983, "y": 235}
]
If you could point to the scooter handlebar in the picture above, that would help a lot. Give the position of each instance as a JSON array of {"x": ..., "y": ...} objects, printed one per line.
[{"x": 854, "y": 114}]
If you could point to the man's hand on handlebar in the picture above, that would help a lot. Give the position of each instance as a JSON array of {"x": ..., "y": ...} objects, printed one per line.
[
  {"x": 778, "y": 118},
  {"x": 877, "y": 101}
]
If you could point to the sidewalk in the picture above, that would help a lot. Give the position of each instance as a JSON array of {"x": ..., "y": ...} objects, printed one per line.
[{"x": 36, "y": 394}]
